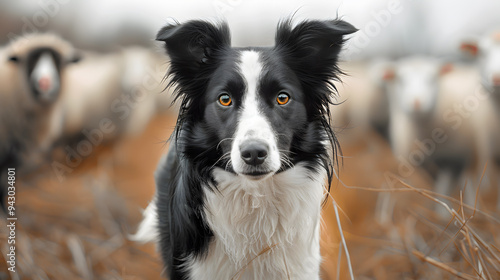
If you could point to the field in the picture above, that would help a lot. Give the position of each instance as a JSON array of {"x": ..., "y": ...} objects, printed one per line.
[{"x": 77, "y": 227}]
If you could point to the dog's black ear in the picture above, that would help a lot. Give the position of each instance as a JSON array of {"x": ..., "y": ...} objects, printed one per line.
[
  {"x": 194, "y": 43},
  {"x": 312, "y": 46}
]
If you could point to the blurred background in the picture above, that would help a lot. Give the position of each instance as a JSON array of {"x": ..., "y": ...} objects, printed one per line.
[{"x": 85, "y": 121}]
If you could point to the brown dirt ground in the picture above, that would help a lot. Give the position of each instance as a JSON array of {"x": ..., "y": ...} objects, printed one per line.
[{"x": 77, "y": 228}]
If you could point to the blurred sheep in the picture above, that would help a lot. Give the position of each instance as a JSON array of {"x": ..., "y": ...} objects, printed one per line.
[
  {"x": 427, "y": 126},
  {"x": 33, "y": 72},
  {"x": 487, "y": 53},
  {"x": 144, "y": 79},
  {"x": 362, "y": 104},
  {"x": 116, "y": 93}
]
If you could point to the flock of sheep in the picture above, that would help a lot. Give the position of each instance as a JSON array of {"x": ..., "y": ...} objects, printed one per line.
[
  {"x": 53, "y": 96},
  {"x": 437, "y": 115},
  {"x": 441, "y": 116}
]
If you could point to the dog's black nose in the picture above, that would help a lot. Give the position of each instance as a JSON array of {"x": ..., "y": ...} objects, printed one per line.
[{"x": 254, "y": 152}]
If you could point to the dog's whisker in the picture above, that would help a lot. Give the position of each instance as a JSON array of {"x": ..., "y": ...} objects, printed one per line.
[
  {"x": 224, "y": 156},
  {"x": 285, "y": 159},
  {"x": 227, "y": 165},
  {"x": 285, "y": 152},
  {"x": 220, "y": 142}
]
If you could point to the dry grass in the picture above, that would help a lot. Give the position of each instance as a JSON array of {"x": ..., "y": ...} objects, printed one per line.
[
  {"x": 415, "y": 238},
  {"x": 77, "y": 229}
]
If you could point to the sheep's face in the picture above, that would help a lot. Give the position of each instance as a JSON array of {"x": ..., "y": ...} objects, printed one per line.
[
  {"x": 414, "y": 86},
  {"x": 42, "y": 68}
]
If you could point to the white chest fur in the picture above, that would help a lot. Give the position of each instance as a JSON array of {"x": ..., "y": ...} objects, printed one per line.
[{"x": 263, "y": 229}]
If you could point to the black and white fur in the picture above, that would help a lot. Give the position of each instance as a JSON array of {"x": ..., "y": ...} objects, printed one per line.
[{"x": 240, "y": 191}]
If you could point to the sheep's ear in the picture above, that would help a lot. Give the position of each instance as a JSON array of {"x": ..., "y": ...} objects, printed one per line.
[
  {"x": 76, "y": 58},
  {"x": 471, "y": 48},
  {"x": 388, "y": 74},
  {"x": 194, "y": 44},
  {"x": 381, "y": 71},
  {"x": 446, "y": 68},
  {"x": 312, "y": 46},
  {"x": 14, "y": 59}
]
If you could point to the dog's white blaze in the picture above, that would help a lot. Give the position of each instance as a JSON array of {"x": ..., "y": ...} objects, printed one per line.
[
  {"x": 45, "y": 71},
  {"x": 252, "y": 123}
]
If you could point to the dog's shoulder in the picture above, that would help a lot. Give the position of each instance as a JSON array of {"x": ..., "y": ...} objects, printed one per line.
[{"x": 180, "y": 204}]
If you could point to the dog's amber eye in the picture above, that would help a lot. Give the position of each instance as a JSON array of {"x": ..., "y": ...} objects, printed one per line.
[
  {"x": 283, "y": 98},
  {"x": 225, "y": 100}
]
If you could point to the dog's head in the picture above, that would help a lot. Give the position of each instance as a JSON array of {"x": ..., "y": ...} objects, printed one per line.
[{"x": 255, "y": 111}]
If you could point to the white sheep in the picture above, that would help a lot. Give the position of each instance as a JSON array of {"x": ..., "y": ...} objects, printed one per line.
[
  {"x": 427, "y": 126},
  {"x": 90, "y": 88},
  {"x": 144, "y": 79},
  {"x": 487, "y": 52},
  {"x": 361, "y": 104},
  {"x": 123, "y": 89},
  {"x": 33, "y": 72}
]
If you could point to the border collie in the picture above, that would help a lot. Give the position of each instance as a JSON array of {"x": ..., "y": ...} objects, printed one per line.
[{"x": 239, "y": 193}]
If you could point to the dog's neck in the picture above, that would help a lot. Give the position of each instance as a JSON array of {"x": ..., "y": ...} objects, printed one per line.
[{"x": 280, "y": 213}]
